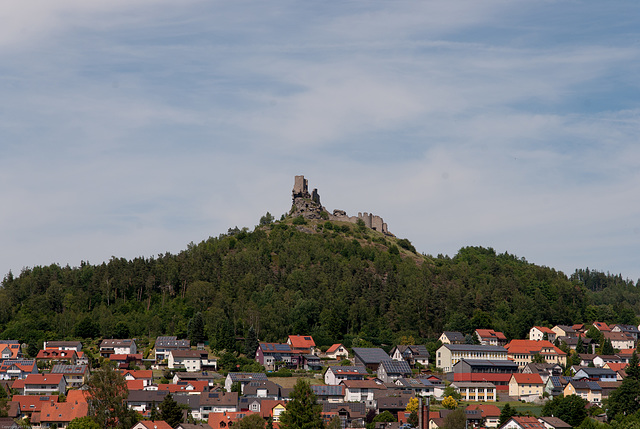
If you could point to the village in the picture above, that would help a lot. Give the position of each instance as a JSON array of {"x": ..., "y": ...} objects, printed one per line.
[{"x": 482, "y": 371}]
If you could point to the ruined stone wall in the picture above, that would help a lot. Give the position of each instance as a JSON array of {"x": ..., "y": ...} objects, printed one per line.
[{"x": 308, "y": 206}]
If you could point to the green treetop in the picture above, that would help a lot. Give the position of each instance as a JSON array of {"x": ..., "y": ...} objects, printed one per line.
[{"x": 303, "y": 411}]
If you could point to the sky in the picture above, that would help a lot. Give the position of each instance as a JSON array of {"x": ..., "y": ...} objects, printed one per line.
[{"x": 131, "y": 129}]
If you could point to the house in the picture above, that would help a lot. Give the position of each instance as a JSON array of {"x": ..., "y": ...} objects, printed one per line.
[
  {"x": 589, "y": 390},
  {"x": 226, "y": 419},
  {"x": 419, "y": 386},
  {"x": 350, "y": 414},
  {"x": 329, "y": 393},
  {"x": 630, "y": 330},
  {"x": 217, "y": 402},
  {"x": 74, "y": 375},
  {"x": 303, "y": 343},
  {"x": 17, "y": 369},
  {"x": 476, "y": 391},
  {"x": 53, "y": 356},
  {"x": 450, "y": 354},
  {"x": 29, "y": 404},
  {"x": 125, "y": 361},
  {"x": 625, "y": 355},
  {"x": 273, "y": 409},
  {"x": 412, "y": 354},
  {"x": 243, "y": 378},
  {"x": 526, "y": 387},
  {"x": 602, "y": 327},
  {"x": 337, "y": 351},
  {"x": 143, "y": 400},
  {"x": 61, "y": 414},
  {"x": 164, "y": 345},
  {"x": 596, "y": 374},
  {"x": 452, "y": 337},
  {"x": 586, "y": 359},
  {"x": 149, "y": 424},
  {"x": 545, "y": 370},
  {"x": 268, "y": 354},
  {"x": 118, "y": 347},
  {"x": 600, "y": 361},
  {"x": 44, "y": 384},
  {"x": 497, "y": 372},
  {"x": 144, "y": 375},
  {"x": 555, "y": 385},
  {"x": 369, "y": 357},
  {"x": 361, "y": 390},
  {"x": 564, "y": 331},
  {"x": 391, "y": 370},
  {"x": 209, "y": 377},
  {"x": 393, "y": 404},
  {"x": 190, "y": 360},
  {"x": 554, "y": 423},
  {"x": 262, "y": 389},
  {"x": 335, "y": 374},
  {"x": 620, "y": 340},
  {"x": 10, "y": 349},
  {"x": 63, "y": 345},
  {"x": 489, "y": 337},
  {"x": 537, "y": 333},
  {"x": 311, "y": 362},
  {"x": 523, "y": 423},
  {"x": 522, "y": 352},
  {"x": 489, "y": 413}
]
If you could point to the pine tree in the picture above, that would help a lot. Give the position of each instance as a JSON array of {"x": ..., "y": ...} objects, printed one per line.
[
  {"x": 633, "y": 370},
  {"x": 303, "y": 411},
  {"x": 170, "y": 411},
  {"x": 196, "y": 329},
  {"x": 251, "y": 343}
]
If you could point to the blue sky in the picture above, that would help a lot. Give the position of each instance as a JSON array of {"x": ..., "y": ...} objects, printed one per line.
[{"x": 133, "y": 128}]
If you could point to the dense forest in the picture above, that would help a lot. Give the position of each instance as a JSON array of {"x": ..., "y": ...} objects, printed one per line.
[{"x": 337, "y": 281}]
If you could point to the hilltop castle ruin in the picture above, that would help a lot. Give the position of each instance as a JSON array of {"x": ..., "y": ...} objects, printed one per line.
[{"x": 308, "y": 205}]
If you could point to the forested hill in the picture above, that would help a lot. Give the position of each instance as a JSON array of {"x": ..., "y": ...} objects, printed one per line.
[{"x": 340, "y": 282}]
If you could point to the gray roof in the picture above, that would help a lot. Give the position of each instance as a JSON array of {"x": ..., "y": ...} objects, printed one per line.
[
  {"x": 489, "y": 362},
  {"x": 370, "y": 355},
  {"x": 339, "y": 369},
  {"x": 475, "y": 348},
  {"x": 396, "y": 367},
  {"x": 69, "y": 369},
  {"x": 598, "y": 372},
  {"x": 247, "y": 376},
  {"x": 322, "y": 390},
  {"x": 454, "y": 336},
  {"x": 219, "y": 398},
  {"x": 172, "y": 342}
]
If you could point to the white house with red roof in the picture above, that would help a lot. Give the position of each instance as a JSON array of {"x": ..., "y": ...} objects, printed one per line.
[
  {"x": 44, "y": 384},
  {"x": 145, "y": 375},
  {"x": 337, "y": 351},
  {"x": 17, "y": 369},
  {"x": 489, "y": 337},
  {"x": 62, "y": 413},
  {"x": 10, "y": 349},
  {"x": 537, "y": 333},
  {"x": 602, "y": 327}
]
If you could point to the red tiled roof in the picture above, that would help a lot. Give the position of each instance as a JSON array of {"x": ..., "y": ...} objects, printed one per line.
[
  {"x": 601, "y": 326},
  {"x": 527, "y": 378},
  {"x": 487, "y": 410},
  {"x": 63, "y": 411},
  {"x": 528, "y": 422},
  {"x": 157, "y": 424},
  {"x": 545, "y": 330},
  {"x": 301, "y": 341},
  {"x": 45, "y": 379},
  {"x": 32, "y": 403},
  {"x": 216, "y": 420},
  {"x": 135, "y": 385},
  {"x": 490, "y": 333},
  {"x": 531, "y": 347},
  {"x": 139, "y": 374},
  {"x": 333, "y": 348},
  {"x": 267, "y": 406},
  {"x": 77, "y": 396}
]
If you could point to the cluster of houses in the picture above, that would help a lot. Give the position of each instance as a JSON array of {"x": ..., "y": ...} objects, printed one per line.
[{"x": 48, "y": 389}]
